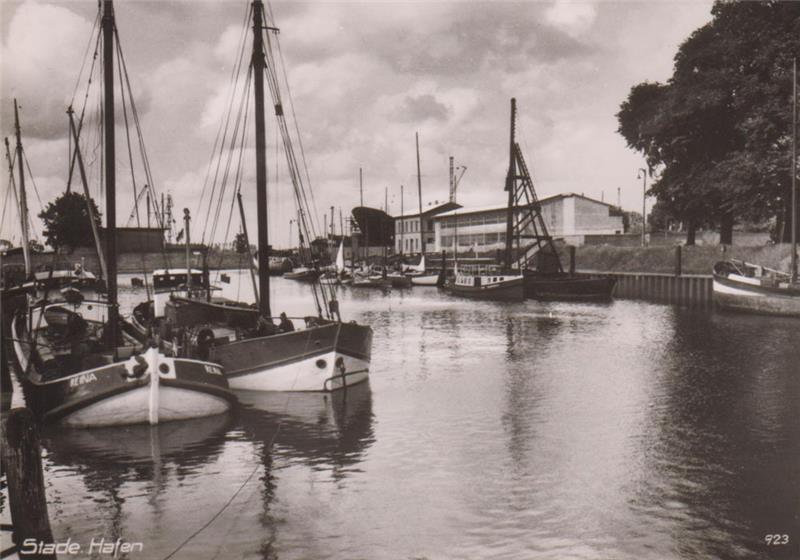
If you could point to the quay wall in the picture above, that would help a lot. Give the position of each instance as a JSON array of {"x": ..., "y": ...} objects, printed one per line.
[{"x": 687, "y": 290}]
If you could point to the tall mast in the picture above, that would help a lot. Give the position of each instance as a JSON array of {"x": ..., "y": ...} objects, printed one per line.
[
  {"x": 510, "y": 181},
  {"x": 794, "y": 170},
  {"x": 111, "y": 196},
  {"x": 402, "y": 220},
  {"x": 419, "y": 191},
  {"x": 23, "y": 199},
  {"x": 259, "y": 65}
]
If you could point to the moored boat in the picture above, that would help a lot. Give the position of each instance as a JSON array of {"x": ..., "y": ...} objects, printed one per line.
[
  {"x": 746, "y": 287},
  {"x": 78, "y": 361},
  {"x": 326, "y": 353},
  {"x": 486, "y": 285},
  {"x": 563, "y": 286}
]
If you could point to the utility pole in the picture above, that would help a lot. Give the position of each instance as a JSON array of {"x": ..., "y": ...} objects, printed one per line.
[
  {"x": 794, "y": 171},
  {"x": 643, "y": 173},
  {"x": 361, "y": 185},
  {"x": 402, "y": 220}
]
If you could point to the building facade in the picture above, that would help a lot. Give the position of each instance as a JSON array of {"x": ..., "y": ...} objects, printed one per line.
[
  {"x": 409, "y": 229},
  {"x": 571, "y": 217}
]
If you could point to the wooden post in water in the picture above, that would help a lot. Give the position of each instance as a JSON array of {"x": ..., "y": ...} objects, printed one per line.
[
  {"x": 678, "y": 264},
  {"x": 22, "y": 459},
  {"x": 571, "y": 250}
]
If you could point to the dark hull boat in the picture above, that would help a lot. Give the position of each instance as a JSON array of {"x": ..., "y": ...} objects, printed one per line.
[
  {"x": 71, "y": 377},
  {"x": 324, "y": 356},
  {"x": 497, "y": 287},
  {"x": 327, "y": 354},
  {"x": 750, "y": 288},
  {"x": 77, "y": 361},
  {"x": 568, "y": 287}
]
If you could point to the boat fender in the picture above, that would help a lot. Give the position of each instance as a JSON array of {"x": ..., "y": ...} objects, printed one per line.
[{"x": 135, "y": 367}]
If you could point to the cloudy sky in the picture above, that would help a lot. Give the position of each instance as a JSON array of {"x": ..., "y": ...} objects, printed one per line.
[{"x": 364, "y": 77}]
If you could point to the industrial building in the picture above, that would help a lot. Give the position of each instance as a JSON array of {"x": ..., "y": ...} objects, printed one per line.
[{"x": 569, "y": 216}]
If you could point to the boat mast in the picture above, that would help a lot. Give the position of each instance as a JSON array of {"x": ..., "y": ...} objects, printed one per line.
[
  {"x": 419, "y": 191},
  {"x": 402, "y": 220},
  {"x": 23, "y": 199},
  {"x": 794, "y": 170},
  {"x": 259, "y": 66},
  {"x": 111, "y": 197},
  {"x": 510, "y": 179}
]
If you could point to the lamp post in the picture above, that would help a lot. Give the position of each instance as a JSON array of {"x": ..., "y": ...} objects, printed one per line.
[{"x": 643, "y": 175}]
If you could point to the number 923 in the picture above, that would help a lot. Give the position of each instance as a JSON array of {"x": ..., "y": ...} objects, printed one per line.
[{"x": 776, "y": 539}]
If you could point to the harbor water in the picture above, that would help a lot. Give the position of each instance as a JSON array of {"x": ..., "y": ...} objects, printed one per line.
[{"x": 627, "y": 430}]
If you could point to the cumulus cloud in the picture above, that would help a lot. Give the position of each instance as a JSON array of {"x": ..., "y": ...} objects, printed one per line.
[{"x": 364, "y": 77}]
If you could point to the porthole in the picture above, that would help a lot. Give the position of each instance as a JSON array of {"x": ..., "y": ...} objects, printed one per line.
[
  {"x": 163, "y": 368},
  {"x": 321, "y": 364}
]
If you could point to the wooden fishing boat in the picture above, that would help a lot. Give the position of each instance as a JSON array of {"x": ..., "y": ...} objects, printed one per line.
[
  {"x": 494, "y": 284},
  {"x": 326, "y": 353},
  {"x": 77, "y": 359},
  {"x": 746, "y": 287},
  {"x": 487, "y": 286},
  {"x": 563, "y": 286}
]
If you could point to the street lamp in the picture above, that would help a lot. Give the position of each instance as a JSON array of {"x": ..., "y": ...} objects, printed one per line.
[{"x": 642, "y": 174}]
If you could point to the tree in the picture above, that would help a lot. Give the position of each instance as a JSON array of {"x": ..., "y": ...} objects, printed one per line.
[
  {"x": 719, "y": 131},
  {"x": 66, "y": 221},
  {"x": 240, "y": 243}
]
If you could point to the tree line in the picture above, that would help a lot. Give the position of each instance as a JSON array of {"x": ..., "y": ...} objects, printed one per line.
[{"x": 717, "y": 136}]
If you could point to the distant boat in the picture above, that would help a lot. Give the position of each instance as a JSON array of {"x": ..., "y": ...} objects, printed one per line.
[
  {"x": 420, "y": 276},
  {"x": 493, "y": 284},
  {"x": 302, "y": 273},
  {"x": 747, "y": 287}
]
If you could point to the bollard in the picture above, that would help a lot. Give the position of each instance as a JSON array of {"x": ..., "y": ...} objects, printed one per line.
[
  {"x": 22, "y": 459},
  {"x": 678, "y": 266}
]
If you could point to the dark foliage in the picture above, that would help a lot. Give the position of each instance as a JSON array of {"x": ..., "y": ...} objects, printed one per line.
[
  {"x": 66, "y": 221},
  {"x": 719, "y": 131}
]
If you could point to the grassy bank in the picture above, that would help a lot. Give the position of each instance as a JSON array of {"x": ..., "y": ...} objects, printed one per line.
[{"x": 695, "y": 260}]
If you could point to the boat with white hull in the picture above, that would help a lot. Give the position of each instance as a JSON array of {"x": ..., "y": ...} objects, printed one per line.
[
  {"x": 54, "y": 367},
  {"x": 255, "y": 354},
  {"x": 746, "y": 287}
]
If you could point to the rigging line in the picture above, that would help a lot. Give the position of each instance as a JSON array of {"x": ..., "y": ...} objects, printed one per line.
[
  {"x": 35, "y": 188},
  {"x": 85, "y": 56},
  {"x": 242, "y": 486},
  {"x": 235, "y": 73},
  {"x": 222, "y": 146},
  {"x": 241, "y": 118},
  {"x": 133, "y": 169},
  {"x": 128, "y": 141},
  {"x": 296, "y": 123},
  {"x": 73, "y": 155},
  {"x": 237, "y": 186}
]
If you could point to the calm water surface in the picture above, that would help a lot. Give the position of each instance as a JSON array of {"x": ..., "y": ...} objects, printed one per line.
[{"x": 530, "y": 430}]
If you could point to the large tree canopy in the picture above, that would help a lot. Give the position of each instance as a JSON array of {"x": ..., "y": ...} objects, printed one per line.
[
  {"x": 66, "y": 221},
  {"x": 719, "y": 131}
]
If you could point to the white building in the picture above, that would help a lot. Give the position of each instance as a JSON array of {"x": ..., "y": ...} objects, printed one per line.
[
  {"x": 567, "y": 216},
  {"x": 408, "y": 229}
]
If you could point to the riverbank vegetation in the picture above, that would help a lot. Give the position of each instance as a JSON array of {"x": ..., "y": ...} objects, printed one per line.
[{"x": 695, "y": 259}]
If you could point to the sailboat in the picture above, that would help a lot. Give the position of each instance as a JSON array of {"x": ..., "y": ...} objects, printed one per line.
[
  {"x": 493, "y": 283},
  {"x": 327, "y": 354},
  {"x": 419, "y": 274},
  {"x": 747, "y": 287},
  {"x": 77, "y": 360}
]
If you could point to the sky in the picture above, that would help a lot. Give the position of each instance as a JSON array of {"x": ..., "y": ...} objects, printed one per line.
[{"x": 364, "y": 78}]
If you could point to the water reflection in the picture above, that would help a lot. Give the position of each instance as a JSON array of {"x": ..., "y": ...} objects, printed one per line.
[{"x": 325, "y": 431}]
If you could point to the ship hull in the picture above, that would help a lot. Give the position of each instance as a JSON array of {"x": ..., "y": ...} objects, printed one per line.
[
  {"x": 568, "y": 287},
  {"x": 731, "y": 294},
  {"x": 321, "y": 358}
]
